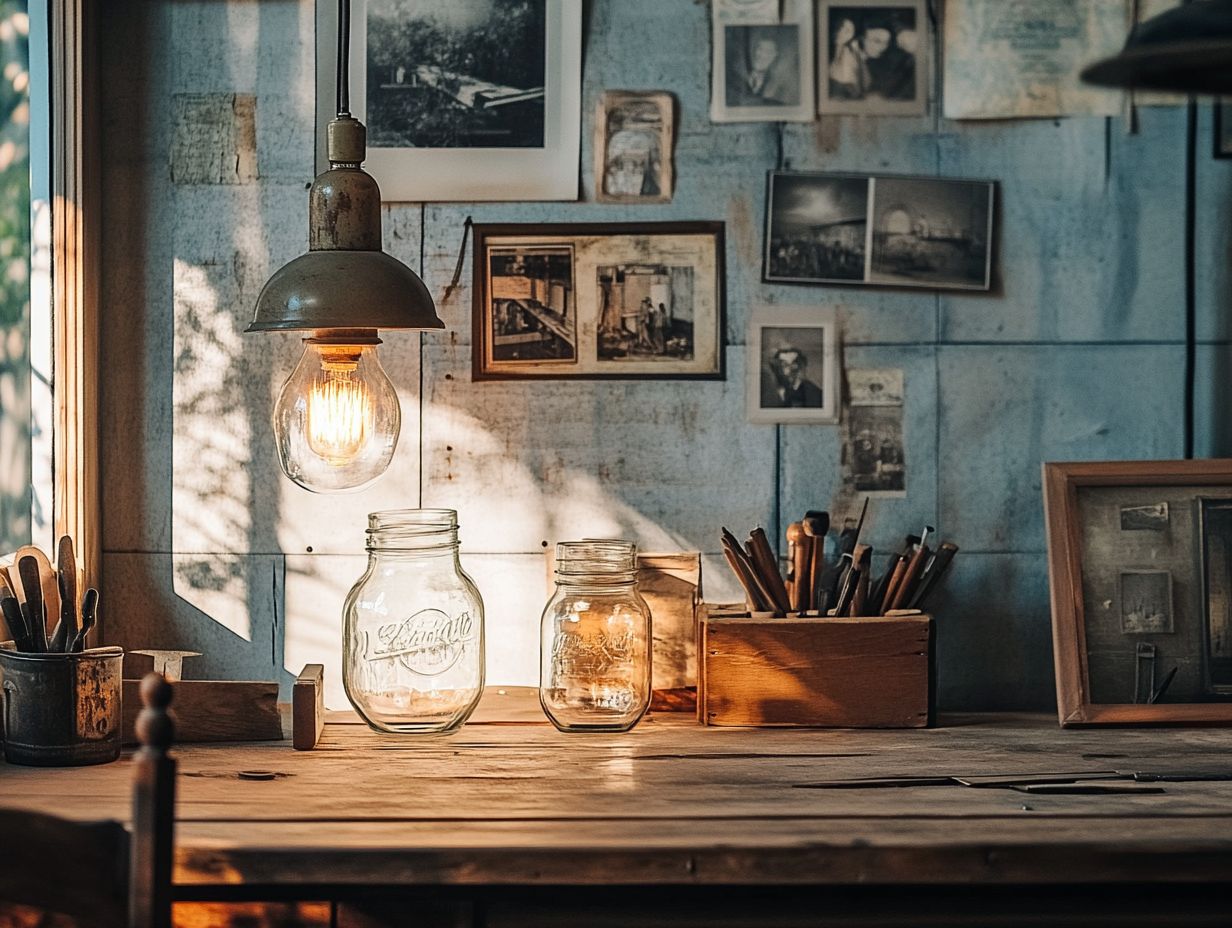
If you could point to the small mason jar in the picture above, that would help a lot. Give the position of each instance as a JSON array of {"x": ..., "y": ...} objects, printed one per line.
[
  {"x": 413, "y": 626},
  {"x": 595, "y": 645}
]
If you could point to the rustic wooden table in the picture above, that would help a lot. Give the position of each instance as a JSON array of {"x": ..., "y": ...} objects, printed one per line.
[{"x": 509, "y": 822}]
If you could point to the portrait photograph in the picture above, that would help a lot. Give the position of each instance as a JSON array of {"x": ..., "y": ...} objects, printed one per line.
[
  {"x": 874, "y": 461},
  {"x": 817, "y": 228},
  {"x": 633, "y": 147},
  {"x": 617, "y": 301},
  {"x": 793, "y": 374},
  {"x": 931, "y": 232},
  {"x": 872, "y": 58},
  {"x": 763, "y": 72},
  {"x": 463, "y": 99}
]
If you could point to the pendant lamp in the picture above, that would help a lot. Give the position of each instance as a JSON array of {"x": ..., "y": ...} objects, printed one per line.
[
  {"x": 1187, "y": 49},
  {"x": 337, "y": 418}
]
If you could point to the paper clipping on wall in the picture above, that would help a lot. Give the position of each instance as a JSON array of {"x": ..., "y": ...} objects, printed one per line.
[
  {"x": 1022, "y": 59},
  {"x": 747, "y": 12},
  {"x": 874, "y": 462}
]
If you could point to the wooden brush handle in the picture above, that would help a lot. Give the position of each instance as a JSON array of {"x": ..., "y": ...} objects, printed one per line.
[
  {"x": 800, "y": 547},
  {"x": 906, "y": 589},
  {"x": 763, "y": 559}
]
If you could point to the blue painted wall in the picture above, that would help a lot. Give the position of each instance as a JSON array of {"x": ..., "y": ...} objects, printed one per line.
[{"x": 1077, "y": 353}]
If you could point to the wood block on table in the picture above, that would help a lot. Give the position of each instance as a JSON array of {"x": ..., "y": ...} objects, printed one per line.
[
  {"x": 308, "y": 707},
  {"x": 214, "y": 710}
]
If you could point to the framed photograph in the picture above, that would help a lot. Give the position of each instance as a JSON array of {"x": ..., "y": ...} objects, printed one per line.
[
  {"x": 633, "y": 147},
  {"x": 925, "y": 232},
  {"x": 793, "y": 366},
  {"x": 872, "y": 57},
  {"x": 1140, "y": 572},
  {"x": 763, "y": 72},
  {"x": 1222, "y": 114},
  {"x": 615, "y": 301},
  {"x": 462, "y": 101},
  {"x": 874, "y": 461}
]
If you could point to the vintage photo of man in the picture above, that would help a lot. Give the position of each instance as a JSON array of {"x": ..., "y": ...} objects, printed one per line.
[
  {"x": 455, "y": 73},
  {"x": 816, "y": 227},
  {"x": 645, "y": 312},
  {"x": 763, "y": 65},
  {"x": 871, "y": 58},
  {"x": 633, "y": 147},
  {"x": 531, "y": 311},
  {"x": 793, "y": 374},
  {"x": 763, "y": 71},
  {"x": 931, "y": 232}
]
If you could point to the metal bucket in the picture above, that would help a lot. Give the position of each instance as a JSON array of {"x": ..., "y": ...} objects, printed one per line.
[{"x": 62, "y": 710}]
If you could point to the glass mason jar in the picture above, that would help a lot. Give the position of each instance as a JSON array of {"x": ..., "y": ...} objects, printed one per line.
[
  {"x": 413, "y": 626},
  {"x": 595, "y": 644}
]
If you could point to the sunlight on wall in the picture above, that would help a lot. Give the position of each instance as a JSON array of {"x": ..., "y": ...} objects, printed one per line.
[{"x": 210, "y": 486}]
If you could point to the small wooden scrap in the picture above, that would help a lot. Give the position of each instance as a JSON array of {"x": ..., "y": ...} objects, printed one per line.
[{"x": 308, "y": 707}]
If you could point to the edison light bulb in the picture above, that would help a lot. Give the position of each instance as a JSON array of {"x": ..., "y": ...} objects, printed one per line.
[{"x": 337, "y": 418}]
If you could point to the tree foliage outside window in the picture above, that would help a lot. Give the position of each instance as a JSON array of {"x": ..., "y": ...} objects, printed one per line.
[{"x": 15, "y": 405}]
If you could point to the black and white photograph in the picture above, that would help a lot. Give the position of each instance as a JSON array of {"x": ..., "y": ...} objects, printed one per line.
[
  {"x": 872, "y": 57},
  {"x": 874, "y": 457},
  {"x": 456, "y": 74},
  {"x": 1221, "y": 112},
  {"x": 1150, "y": 518},
  {"x": 931, "y": 232},
  {"x": 817, "y": 227},
  {"x": 620, "y": 301},
  {"x": 464, "y": 99},
  {"x": 633, "y": 147},
  {"x": 534, "y": 317},
  {"x": 764, "y": 72},
  {"x": 792, "y": 366},
  {"x": 1146, "y": 602},
  {"x": 645, "y": 312}
]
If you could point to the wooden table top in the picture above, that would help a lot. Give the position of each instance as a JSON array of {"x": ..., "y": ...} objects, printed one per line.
[{"x": 509, "y": 800}]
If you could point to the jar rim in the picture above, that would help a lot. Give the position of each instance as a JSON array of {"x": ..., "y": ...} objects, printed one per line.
[
  {"x": 596, "y": 557},
  {"x": 419, "y": 521}
]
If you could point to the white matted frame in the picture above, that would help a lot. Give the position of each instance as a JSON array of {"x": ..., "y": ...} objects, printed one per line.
[
  {"x": 731, "y": 100},
  {"x": 828, "y": 13},
  {"x": 773, "y": 335},
  {"x": 467, "y": 174}
]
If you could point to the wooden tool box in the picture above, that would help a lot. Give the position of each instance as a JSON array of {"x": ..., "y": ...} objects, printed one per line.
[{"x": 815, "y": 672}]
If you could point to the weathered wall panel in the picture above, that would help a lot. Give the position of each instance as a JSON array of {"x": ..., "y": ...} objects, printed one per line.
[{"x": 1075, "y": 354}]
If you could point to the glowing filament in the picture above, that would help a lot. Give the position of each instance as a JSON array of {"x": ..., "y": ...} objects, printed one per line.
[{"x": 340, "y": 414}]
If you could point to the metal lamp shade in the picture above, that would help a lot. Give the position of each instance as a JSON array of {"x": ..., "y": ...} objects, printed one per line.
[
  {"x": 1187, "y": 49},
  {"x": 337, "y": 289}
]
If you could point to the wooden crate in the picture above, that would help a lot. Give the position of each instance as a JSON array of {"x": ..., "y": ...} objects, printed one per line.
[{"x": 815, "y": 672}]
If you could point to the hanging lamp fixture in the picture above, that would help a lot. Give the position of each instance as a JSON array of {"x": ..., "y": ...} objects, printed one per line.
[
  {"x": 1187, "y": 49},
  {"x": 337, "y": 418}
]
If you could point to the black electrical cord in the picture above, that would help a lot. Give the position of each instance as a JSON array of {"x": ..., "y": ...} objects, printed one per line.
[
  {"x": 1191, "y": 222},
  {"x": 344, "y": 57}
]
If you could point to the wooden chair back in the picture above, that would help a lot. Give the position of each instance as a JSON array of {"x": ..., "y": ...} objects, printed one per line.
[{"x": 95, "y": 872}]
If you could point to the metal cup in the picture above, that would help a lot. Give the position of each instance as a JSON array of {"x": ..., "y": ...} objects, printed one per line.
[{"x": 62, "y": 710}]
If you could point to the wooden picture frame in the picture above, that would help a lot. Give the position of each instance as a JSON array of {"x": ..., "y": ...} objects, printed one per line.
[
  {"x": 76, "y": 251},
  {"x": 599, "y": 301},
  {"x": 1063, "y": 484}
]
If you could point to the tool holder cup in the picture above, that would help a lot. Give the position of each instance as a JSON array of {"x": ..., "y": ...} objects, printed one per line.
[{"x": 61, "y": 710}]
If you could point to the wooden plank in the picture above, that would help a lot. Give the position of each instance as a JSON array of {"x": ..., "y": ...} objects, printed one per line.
[
  {"x": 308, "y": 707},
  {"x": 834, "y": 673},
  {"x": 214, "y": 710}
]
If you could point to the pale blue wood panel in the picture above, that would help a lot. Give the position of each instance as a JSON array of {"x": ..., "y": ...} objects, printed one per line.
[
  {"x": 1005, "y": 410},
  {"x": 1213, "y": 402},
  {"x": 1213, "y": 240},
  {"x": 810, "y": 472},
  {"x": 1090, "y": 234},
  {"x": 994, "y": 634},
  {"x": 227, "y": 606},
  {"x": 663, "y": 464}
]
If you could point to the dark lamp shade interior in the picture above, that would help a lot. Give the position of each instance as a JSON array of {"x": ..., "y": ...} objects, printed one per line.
[
  {"x": 344, "y": 290},
  {"x": 1187, "y": 49}
]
